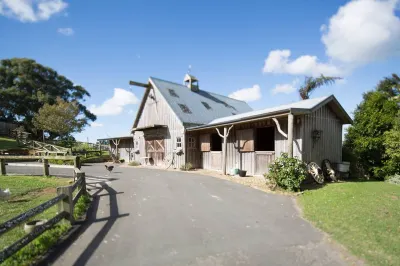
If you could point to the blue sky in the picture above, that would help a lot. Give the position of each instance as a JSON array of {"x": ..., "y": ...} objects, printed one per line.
[{"x": 265, "y": 46}]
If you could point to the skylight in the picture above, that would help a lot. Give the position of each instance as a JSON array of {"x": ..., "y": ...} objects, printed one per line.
[
  {"x": 184, "y": 108},
  {"x": 206, "y": 105},
  {"x": 173, "y": 93}
]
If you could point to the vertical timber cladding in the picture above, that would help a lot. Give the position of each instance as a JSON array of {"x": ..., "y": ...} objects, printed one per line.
[
  {"x": 329, "y": 145},
  {"x": 157, "y": 111}
]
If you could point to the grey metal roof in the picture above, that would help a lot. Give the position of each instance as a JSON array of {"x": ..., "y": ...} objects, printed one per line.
[
  {"x": 301, "y": 107},
  {"x": 220, "y": 105}
]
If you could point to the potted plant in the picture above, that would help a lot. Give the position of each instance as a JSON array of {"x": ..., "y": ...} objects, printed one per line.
[{"x": 242, "y": 173}]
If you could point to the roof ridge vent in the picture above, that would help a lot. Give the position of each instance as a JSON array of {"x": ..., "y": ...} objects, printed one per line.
[{"x": 191, "y": 82}]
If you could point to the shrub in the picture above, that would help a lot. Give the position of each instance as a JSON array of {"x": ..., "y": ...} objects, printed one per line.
[
  {"x": 187, "y": 167},
  {"x": 287, "y": 173},
  {"x": 394, "y": 179},
  {"x": 61, "y": 162},
  {"x": 122, "y": 160},
  {"x": 134, "y": 163}
]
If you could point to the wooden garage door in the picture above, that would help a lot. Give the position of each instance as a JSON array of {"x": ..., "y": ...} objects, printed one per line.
[{"x": 155, "y": 149}]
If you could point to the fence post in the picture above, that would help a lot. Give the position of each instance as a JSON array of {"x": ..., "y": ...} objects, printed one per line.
[
  {"x": 3, "y": 166},
  {"x": 66, "y": 205},
  {"x": 46, "y": 167},
  {"x": 77, "y": 162}
]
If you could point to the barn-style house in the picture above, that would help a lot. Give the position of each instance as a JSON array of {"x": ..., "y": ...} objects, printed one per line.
[{"x": 212, "y": 131}]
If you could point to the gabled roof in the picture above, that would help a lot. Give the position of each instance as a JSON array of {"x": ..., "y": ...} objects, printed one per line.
[
  {"x": 301, "y": 107},
  {"x": 203, "y": 106}
]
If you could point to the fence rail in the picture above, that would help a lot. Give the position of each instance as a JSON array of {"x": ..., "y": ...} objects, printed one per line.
[
  {"x": 46, "y": 165},
  {"x": 66, "y": 203}
]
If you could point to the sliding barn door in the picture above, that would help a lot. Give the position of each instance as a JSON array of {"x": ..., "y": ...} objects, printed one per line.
[{"x": 156, "y": 151}]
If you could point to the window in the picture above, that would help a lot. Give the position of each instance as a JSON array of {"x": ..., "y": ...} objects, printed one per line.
[
  {"x": 191, "y": 143},
  {"x": 184, "y": 108},
  {"x": 216, "y": 142},
  {"x": 206, "y": 105},
  {"x": 179, "y": 142},
  {"x": 173, "y": 93},
  {"x": 265, "y": 139}
]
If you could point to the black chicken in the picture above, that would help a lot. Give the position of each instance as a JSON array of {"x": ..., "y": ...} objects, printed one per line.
[{"x": 109, "y": 168}]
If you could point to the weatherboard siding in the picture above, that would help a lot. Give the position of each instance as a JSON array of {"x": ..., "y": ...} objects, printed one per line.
[
  {"x": 157, "y": 111},
  {"x": 329, "y": 146}
]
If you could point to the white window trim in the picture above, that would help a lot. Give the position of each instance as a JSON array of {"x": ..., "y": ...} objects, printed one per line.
[{"x": 178, "y": 142}]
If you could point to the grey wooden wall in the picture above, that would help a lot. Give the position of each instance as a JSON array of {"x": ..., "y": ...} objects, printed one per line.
[
  {"x": 157, "y": 111},
  {"x": 329, "y": 146}
]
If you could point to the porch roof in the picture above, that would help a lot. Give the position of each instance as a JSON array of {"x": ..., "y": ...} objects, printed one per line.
[
  {"x": 154, "y": 126},
  {"x": 296, "y": 108}
]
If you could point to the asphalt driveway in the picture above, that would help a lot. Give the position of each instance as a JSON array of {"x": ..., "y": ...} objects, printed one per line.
[{"x": 153, "y": 217}]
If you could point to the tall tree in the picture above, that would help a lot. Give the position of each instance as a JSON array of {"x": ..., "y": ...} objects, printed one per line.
[
  {"x": 61, "y": 118},
  {"x": 25, "y": 86},
  {"x": 374, "y": 117},
  {"x": 311, "y": 83}
]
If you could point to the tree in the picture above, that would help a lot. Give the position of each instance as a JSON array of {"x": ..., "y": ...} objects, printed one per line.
[
  {"x": 373, "y": 118},
  {"x": 311, "y": 83},
  {"x": 61, "y": 118},
  {"x": 392, "y": 148},
  {"x": 25, "y": 86}
]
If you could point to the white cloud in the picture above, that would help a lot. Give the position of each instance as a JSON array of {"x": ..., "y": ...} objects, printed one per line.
[
  {"x": 31, "y": 10},
  {"x": 115, "y": 105},
  {"x": 278, "y": 62},
  {"x": 66, "y": 31},
  {"x": 285, "y": 88},
  {"x": 363, "y": 31},
  {"x": 130, "y": 112},
  {"x": 94, "y": 124},
  {"x": 247, "y": 95}
]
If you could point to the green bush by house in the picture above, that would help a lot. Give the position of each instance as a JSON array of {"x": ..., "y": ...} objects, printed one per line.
[{"x": 287, "y": 173}]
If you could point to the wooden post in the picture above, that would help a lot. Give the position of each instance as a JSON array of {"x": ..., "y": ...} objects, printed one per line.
[
  {"x": 46, "y": 167},
  {"x": 224, "y": 150},
  {"x": 224, "y": 147},
  {"x": 66, "y": 205},
  {"x": 77, "y": 162},
  {"x": 290, "y": 135},
  {"x": 3, "y": 166}
]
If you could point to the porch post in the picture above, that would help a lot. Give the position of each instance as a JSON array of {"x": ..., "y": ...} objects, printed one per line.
[
  {"x": 224, "y": 153},
  {"x": 224, "y": 146},
  {"x": 290, "y": 135}
]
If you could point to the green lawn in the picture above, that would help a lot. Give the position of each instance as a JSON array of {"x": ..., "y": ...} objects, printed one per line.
[
  {"x": 7, "y": 143},
  {"x": 28, "y": 192},
  {"x": 363, "y": 216}
]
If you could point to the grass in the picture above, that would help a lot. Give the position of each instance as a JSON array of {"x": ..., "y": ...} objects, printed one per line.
[
  {"x": 28, "y": 192},
  {"x": 7, "y": 143},
  {"x": 363, "y": 216}
]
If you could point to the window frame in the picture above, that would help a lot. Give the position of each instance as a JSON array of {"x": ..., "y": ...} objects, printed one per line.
[
  {"x": 191, "y": 143},
  {"x": 178, "y": 143}
]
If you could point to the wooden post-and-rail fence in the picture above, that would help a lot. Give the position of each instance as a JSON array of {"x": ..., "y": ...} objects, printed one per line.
[
  {"x": 66, "y": 203},
  {"x": 45, "y": 165}
]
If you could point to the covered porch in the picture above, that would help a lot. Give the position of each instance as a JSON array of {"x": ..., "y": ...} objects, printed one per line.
[{"x": 249, "y": 144}]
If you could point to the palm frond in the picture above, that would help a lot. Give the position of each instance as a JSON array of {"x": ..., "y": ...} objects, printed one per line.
[{"x": 311, "y": 83}]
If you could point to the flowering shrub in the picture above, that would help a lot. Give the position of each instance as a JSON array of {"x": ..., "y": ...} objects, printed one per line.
[
  {"x": 287, "y": 173},
  {"x": 394, "y": 179}
]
